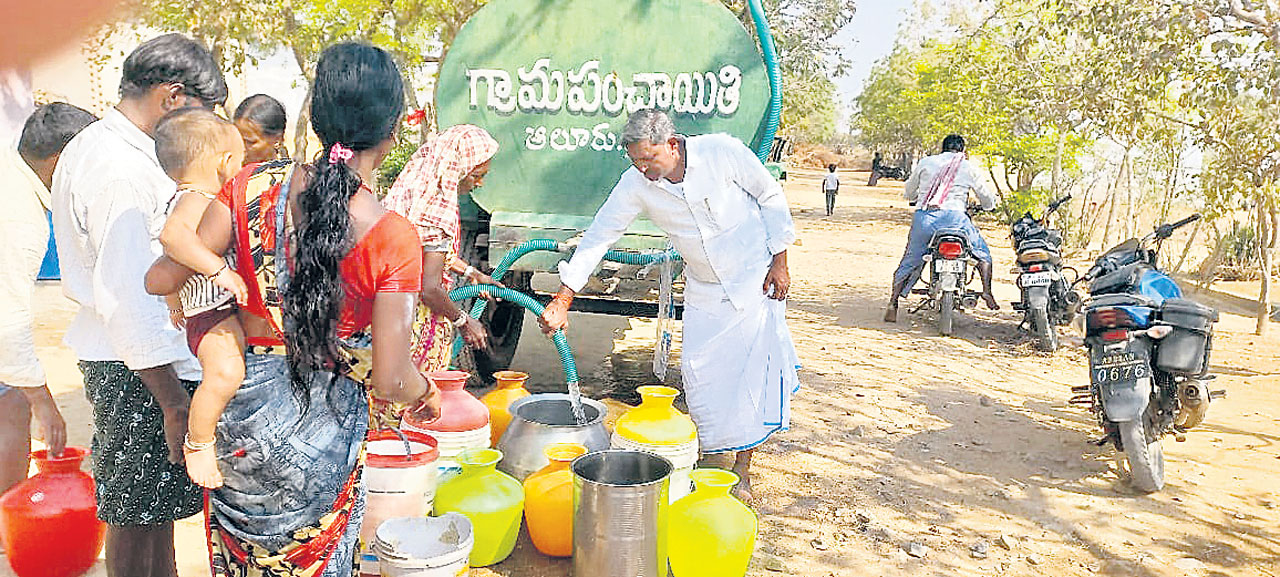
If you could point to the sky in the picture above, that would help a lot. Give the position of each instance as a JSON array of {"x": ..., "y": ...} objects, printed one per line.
[{"x": 868, "y": 38}]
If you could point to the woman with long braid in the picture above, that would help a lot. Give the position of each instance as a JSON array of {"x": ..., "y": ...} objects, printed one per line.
[{"x": 353, "y": 276}]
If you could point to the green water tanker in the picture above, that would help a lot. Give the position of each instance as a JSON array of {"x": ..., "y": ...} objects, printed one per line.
[{"x": 554, "y": 82}]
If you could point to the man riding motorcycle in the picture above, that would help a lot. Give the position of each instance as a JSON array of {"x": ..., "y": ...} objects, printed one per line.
[{"x": 948, "y": 179}]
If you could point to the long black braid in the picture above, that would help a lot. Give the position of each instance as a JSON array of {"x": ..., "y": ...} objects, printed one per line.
[{"x": 357, "y": 100}]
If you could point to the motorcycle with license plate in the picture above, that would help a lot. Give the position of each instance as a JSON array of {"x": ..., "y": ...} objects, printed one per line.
[
  {"x": 1048, "y": 300},
  {"x": 1148, "y": 355},
  {"x": 951, "y": 266}
]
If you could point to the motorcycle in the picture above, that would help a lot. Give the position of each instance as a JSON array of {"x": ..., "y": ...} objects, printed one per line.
[
  {"x": 1048, "y": 300},
  {"x": 1148, "y": 355},
  {"x": 885, "y": 171},
  {"x": 951, "y": 267}
]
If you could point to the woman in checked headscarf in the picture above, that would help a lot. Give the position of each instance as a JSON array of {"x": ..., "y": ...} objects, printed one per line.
[{"x": 449, "y": 164}]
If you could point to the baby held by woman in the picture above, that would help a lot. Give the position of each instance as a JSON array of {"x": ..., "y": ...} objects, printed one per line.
[{"x": 200, "y": 152}]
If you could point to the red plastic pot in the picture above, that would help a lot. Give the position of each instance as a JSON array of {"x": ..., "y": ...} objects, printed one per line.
[
  {"x": 459, "y": 410},
  {"x": 48, "y": 523}
]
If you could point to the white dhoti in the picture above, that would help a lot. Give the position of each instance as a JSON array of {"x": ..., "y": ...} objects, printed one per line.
[{"x": 739, "y": 370}]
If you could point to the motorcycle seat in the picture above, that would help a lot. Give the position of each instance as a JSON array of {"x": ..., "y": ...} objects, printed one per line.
[
  {"x": 952, "y": 234},
  {"x": 1122, "y": 279},
  {"x": 1037, "y": 243},
  {"x": 1120, "y": 300}
]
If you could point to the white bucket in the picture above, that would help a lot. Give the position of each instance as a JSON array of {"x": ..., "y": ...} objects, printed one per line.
[
  {"x": 425, "y": 546},
  {"x": 683, "y": 457},
  {"x": 453, "y": 443},
  {"x": 396, "y": 486}
]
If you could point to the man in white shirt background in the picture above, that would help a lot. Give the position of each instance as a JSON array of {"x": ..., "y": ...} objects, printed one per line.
[
  {"x": 729, "y": 220},
  {"x": 110, "y": 199},
  {"x": 25, "y": 177},
  {"x": 830, "y": 187},
  {"x": 940, "y": 187}
]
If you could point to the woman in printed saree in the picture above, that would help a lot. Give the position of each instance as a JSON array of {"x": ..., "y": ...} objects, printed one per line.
[
  {"x": 291, "y": 438},
  {"x": 426, "y": 193}
]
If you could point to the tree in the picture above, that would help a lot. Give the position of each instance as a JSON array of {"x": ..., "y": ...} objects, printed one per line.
[
  {"x": 803, "y": 30},
  {"x": 238, "y": 32}
]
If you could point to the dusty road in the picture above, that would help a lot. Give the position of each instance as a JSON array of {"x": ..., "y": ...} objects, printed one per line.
[{"x": 906, "y": 440}]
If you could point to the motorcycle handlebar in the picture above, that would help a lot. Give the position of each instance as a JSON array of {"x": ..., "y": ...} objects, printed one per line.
[
  {"x": 1166, "y": 230},
  {"x": 1057, "y": 203}
]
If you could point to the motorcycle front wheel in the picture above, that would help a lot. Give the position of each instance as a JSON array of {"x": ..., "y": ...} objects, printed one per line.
[
  {"x": 1145, "y": 457},
  {"x": 946, "y": 312}
]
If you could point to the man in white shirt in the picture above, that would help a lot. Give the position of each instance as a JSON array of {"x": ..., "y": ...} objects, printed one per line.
[
  {"x": 729, "y": 220},
  {"x": 25, "y": 177},
  {"x": 830, "y": 187},
  {"x": 110, "y": 198},
  {"x": 940, "y": 187}
]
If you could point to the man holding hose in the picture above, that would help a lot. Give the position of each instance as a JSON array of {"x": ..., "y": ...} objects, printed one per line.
[{"x": 730, "y": 222}]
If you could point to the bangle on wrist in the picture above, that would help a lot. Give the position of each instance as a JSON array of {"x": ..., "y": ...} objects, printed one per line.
[
  {"x": 218, "y": 272},
  {"x": 567, "y": 299},
  {"x": 422, "y": 402},
  {"x": 194, "y": 447},
  {"x": 469, "y": 271},
  {"x": 460, "y": 321}
]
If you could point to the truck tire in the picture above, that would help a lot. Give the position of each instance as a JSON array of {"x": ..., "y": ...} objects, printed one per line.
[
  {"x": 504, "y": 320},
  {"x": 1145, "y": 458}
]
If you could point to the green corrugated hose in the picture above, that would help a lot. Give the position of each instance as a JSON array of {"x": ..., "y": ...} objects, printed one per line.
[
  {"x": 770, "y": 53},
  {"x": 524, "y": 300}
]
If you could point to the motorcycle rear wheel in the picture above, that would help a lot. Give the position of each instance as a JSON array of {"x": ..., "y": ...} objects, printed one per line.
[
  {"x": 1046, "y": 336},
  {"x": 946, "y": 313},
  {"x": 1144, "y": 457}
]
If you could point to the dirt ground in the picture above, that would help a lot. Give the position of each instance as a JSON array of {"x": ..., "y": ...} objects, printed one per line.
[{"x": 903, "y": 440}]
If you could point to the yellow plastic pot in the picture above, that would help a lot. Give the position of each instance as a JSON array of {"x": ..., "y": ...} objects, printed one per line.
[
  {"x": 509, "y": 388},
  {"x": 548, "y": 501},
  {"x": 491, "y": 499},
  {"x": 710, "y": 533},
  {"x": 655, "y": 421}
]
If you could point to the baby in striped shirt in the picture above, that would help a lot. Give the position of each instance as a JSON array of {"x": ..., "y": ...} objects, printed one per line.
[{"x": 201, "y": 151}]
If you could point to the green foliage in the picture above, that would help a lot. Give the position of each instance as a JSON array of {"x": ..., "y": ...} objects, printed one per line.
[
  {"x": 240, "y": 31},
  {"x": 918, "y": 95},
  {"x": 1241, "y": 246},
  {"x": 809, "y": 107},
  {"x": 802, "y": 30},
  {"x": 1017, "y": 203},
  {"x": 407, "y": 142}
]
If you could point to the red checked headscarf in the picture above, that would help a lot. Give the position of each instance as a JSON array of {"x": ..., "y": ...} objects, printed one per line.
[{"x": 426, "y": 192}]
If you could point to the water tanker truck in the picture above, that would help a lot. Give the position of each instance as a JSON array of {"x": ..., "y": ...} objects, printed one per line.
[{"x": 554, "y": 82}]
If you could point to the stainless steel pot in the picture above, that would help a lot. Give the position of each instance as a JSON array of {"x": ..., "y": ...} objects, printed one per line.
[
  {"x": 620, "y": 502},
  {"x": 545, "y": 418}
]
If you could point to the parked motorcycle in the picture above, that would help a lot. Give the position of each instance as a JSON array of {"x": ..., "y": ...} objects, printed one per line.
[
  {"x": 951, "y": 267},
  {"x": 1148, "y": 355},
  {"x": 1048, "y": 300},
  {"x": 885, "y": 171}
]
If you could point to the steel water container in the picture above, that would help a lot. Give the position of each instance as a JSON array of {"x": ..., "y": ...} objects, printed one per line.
[
  {"x": 620, "y": 509},
  {"x": 542, "y": 419}
]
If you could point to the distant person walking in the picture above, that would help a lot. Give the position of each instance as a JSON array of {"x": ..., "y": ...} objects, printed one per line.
[{"x": 830, "y": 187}]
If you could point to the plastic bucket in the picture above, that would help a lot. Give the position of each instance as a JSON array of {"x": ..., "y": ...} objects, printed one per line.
[
  {"x": 619, "y": 519},
  {"x": 424, "y": 546},
  {"x": 451, "y": 444},
  {"x": 683, "y": 457},
  {"x": 397, "y": 484}
]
